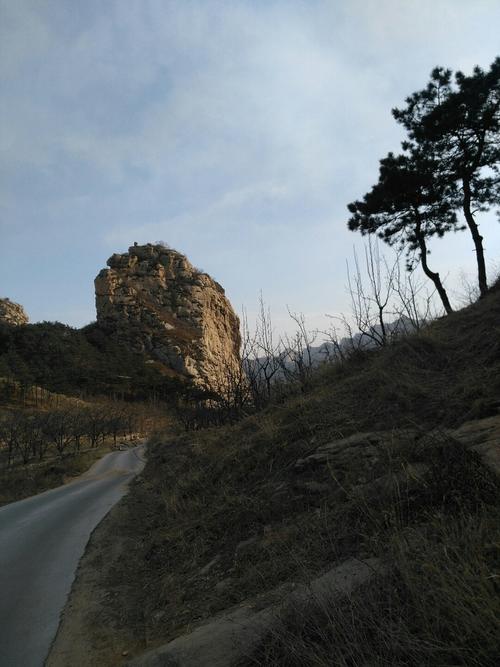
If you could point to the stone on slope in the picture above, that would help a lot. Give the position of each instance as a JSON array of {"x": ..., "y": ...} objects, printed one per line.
[{"x": 224, "y": 640}]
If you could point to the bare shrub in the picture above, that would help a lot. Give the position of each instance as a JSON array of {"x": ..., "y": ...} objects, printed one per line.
[{"x": 387, "y": 302}]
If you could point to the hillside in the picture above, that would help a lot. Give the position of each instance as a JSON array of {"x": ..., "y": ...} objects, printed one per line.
[
  {"x": 163, "y": 329},
  {"x": 47, "y": 439},
  {"x": 66, "y": 397},
  {"x": 82, "y": 362},
  {"x": 162, "y": 325},
  {"x": 391, "y": 459}
]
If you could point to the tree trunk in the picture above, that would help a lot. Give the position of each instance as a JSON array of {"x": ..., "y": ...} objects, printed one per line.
[
  {"x": 431, "y": 274},
  {"x": 476, "y": 237}
]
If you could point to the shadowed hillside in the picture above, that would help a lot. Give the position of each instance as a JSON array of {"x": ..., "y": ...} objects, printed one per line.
[
  {"x": 82, "y": 362},
  {"x": 392, "y": 456}
]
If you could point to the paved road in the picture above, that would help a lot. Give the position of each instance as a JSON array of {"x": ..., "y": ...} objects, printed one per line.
[{"x": 41, "y": 541}]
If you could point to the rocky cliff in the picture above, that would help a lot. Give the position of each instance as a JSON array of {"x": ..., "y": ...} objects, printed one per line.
[
  {"x": 152, "y": 299},
  {"x": 12, "y": 313}
]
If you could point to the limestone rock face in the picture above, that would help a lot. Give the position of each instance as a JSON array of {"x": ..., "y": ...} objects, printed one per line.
[
  {"x": 12, "y": 313},
  {"x": 156, "y": 302}
]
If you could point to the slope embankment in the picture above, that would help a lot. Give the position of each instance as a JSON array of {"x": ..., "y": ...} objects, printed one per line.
[{"x": 391, "y": 456}]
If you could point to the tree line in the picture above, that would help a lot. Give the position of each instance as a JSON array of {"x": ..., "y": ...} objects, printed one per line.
[
  {"x": 30, "y": 435},
  {"x": 78, "y": 362}
]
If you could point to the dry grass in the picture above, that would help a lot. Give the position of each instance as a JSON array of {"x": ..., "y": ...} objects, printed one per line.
[
  {"x": 217, "y": 524},
  {"x": 439, "y": 605},
  {"x": 21, "y": 481},
  {"x": 223, "y": 514}
]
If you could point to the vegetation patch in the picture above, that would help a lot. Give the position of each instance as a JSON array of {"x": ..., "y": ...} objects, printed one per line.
[
  {"x": 46, "y": 438},
  {"x": 22, "y": 481},
  {"x": 222, "y": 515},
  {"x": 439, "y": 605},
  {"x": 79, "y": 362}
]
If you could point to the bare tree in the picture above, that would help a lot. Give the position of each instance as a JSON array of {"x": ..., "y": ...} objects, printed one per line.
[
  {"x": 370, "y": 302},
  {"x": 387, "y": 301},
  {"x": 261, "y": 356},
  {"x": 414, "y": 304},
  {"x": 58, "y": 430},
  {"x": 10, "y": 428},
  {"x": 296, "y": 353}
]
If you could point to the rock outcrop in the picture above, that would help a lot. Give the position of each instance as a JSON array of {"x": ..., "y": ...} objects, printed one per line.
[
  {"x": 12, "y": 313},
  {"x": 232, "y": 636},
  {"x": 153, "y": 300}
]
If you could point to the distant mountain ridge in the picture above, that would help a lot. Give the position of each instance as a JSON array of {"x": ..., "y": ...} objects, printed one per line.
[{"x": 373, "y": 337}]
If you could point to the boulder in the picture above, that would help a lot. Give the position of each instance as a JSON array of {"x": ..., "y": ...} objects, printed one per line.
[{"x": 226, "y": 639}]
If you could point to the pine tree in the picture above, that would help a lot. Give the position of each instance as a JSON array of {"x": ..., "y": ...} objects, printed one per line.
[
  {"x": 407, "y": 206},
  {"x": 458, "y": 119}
]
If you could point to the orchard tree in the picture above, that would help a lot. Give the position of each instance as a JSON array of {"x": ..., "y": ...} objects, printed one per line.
[
  {"x": 458, "y": 119},
  {"x": 406, "y": 207}
]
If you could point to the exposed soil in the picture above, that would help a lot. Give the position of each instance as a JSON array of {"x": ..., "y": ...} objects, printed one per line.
[{"x": 89, "y": 636}]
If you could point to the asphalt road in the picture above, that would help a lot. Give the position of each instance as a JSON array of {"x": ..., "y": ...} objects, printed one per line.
[{"x": 42, "y": 538}]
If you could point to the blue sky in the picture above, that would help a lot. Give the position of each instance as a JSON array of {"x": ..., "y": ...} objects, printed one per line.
[{"x": 235, "y": 131}]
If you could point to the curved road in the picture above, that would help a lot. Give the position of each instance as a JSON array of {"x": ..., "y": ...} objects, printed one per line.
[{"x": 42, "y": 538}]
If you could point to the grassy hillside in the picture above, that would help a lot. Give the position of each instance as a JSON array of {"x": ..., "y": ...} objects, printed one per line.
[
  {"x": 365, "y": 463},
  {"x": 79, "y": 362}
]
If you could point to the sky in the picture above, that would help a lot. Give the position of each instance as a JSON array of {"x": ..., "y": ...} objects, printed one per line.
[{"x": 236, "y": 131}]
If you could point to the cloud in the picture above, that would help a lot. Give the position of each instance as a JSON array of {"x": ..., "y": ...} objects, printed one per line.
[
  {"x": 24, "y": 35},
  {"x": 237, "y": 131}
]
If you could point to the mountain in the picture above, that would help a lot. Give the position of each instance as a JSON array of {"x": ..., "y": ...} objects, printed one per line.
[
  {"x": 161, "y": 325},
  {"x": 152, "y": 300}
]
